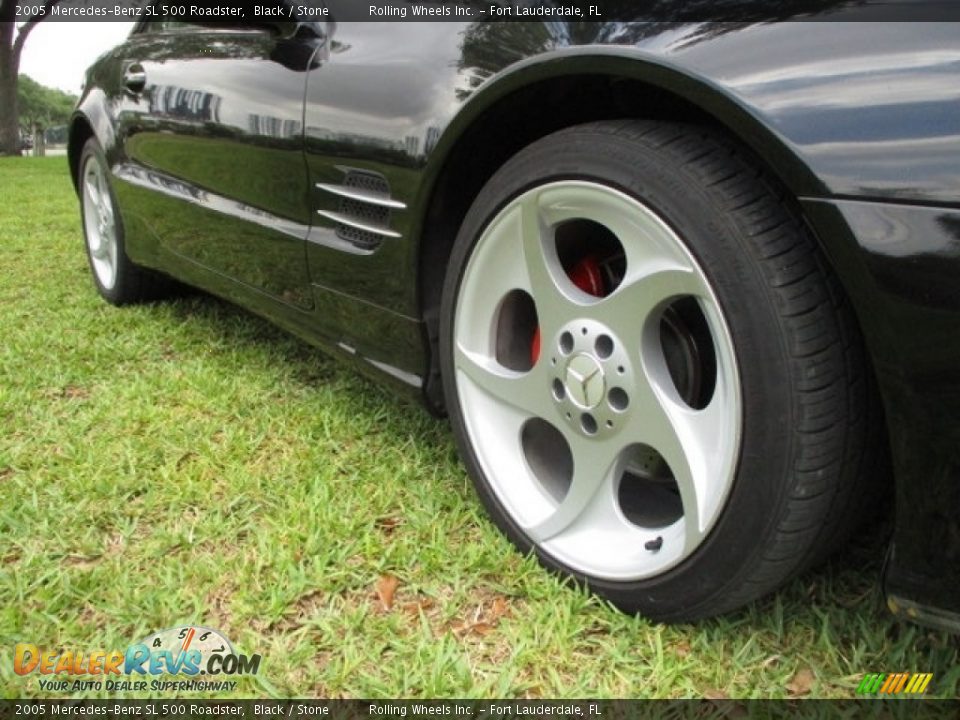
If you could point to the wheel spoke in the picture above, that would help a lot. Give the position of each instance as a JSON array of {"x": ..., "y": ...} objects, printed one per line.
[
  {"x": 111, "y": 253},
  {"x": 502, "y": 259},
  {"x": 596, "y": 466},
  {"x": 501, "y": 256},
  {"x": 93, "y": 192},
  {"x": 689, "y": 440},
  {"x": 643, "y": 292},
  {"x": 106, "y": 214},
  {"x": 101, "y": 184},
  {"x": 543, "y": 268},
  {"x": 101, "y": 251},
  {"x": 95, "y": 240},
  {"x": 524, "y": 391},
  {"x": 106, "y": 206}
]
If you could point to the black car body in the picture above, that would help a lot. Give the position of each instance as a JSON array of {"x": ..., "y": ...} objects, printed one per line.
[{"x": 232, "y": 153}]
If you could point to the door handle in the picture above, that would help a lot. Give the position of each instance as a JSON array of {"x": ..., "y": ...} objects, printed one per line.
[{"x": 135, "y": 78}]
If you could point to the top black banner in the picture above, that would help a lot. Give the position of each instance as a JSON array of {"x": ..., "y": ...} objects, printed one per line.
[{"x": 273, "y": 11}]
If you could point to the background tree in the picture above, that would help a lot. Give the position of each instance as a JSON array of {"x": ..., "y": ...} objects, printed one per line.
[
  {"x": 42, "y": 107},
  {"x": 12, "y": 39}
]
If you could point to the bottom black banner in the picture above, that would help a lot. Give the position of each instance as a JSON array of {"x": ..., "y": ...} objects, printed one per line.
[{"x": 478, "y": 709}]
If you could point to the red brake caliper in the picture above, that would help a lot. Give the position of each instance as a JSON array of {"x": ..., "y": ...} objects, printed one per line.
[{"x": 585, "y": 275}]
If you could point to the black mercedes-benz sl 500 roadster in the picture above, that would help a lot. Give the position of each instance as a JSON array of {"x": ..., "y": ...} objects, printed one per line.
[{"x": 688, "y": 291}]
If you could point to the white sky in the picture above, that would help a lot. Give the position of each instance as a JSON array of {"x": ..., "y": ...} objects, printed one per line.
[{"x": 57, "y": 53}]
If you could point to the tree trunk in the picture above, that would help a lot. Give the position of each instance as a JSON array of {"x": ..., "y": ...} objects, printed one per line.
[
  {"x": 39, "y": 141},
  {"x": 9, "y": 112},
  {"x": 10, "y": 49}
]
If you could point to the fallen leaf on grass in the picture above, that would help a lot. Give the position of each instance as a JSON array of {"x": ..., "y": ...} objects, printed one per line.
[
  {"x": 413, "y": 609},
  {"x": 714, "y": 694},
  {"x": 387, "y": 524},
  {"x": 479, "y": 628},
  {"x": 801, "y": 683},
  {"x": 386, "y": 587},
  {"x": 498, "y": 608},
  {"x": 682, "y": 649},
  {"x": 484, "y": 618}
]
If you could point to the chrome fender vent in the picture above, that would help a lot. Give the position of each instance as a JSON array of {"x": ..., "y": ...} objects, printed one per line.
[{"x": 363, "y": 209}]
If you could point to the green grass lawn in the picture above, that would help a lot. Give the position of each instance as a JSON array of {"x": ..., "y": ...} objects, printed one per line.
[{"x": 186, "y": 462}]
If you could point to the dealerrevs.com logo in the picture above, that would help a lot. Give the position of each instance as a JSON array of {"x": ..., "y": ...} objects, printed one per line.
[{"x": 190, "y": 652}]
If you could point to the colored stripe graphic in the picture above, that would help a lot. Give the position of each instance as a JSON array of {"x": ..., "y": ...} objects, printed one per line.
[
  {"x": 894, "y": 683},
  {"x": 870, "y": 683},
  {"x": 921, "y": 684}
]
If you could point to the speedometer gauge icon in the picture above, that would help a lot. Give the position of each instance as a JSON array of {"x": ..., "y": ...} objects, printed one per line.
[{"x": 184, "y": 638}]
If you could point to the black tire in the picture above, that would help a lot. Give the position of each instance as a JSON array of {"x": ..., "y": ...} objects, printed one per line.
[
  {"x": 124, "y": 282},
  {"x": 805, "y": 437}
]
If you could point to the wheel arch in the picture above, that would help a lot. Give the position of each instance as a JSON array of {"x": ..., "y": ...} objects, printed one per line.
[
  {"x": 547, "y": 93},
  {"x": 89, "y": 120},
  {"x": 80, "y": 131}
]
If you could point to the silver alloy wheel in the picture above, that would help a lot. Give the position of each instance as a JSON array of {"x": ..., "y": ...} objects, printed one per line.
[
  {"x": 99, "y": 223},
  {"x": 601, "y": 386}
]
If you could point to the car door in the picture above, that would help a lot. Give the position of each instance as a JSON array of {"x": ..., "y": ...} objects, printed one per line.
[
  {"x": 375, "y": 107},
  {"x": 213, "y": 125}
]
